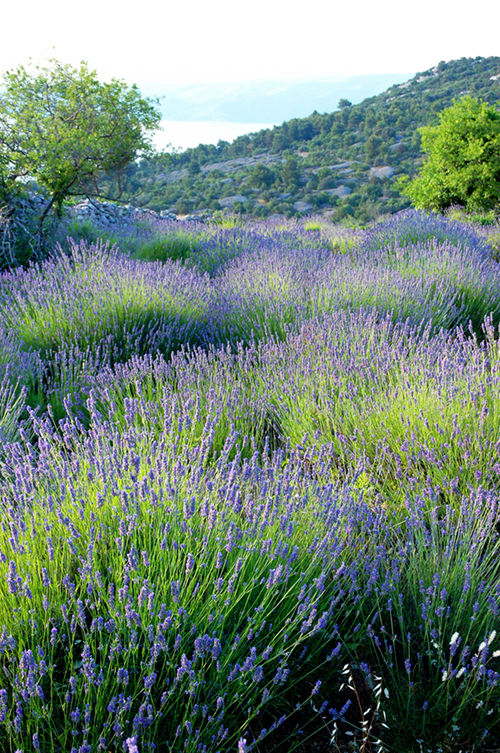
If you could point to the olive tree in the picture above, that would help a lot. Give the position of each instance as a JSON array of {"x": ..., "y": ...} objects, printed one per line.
[{"x": 63, "y": 128}]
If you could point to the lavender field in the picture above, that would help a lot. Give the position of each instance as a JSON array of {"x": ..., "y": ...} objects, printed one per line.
[{"x": 250, "y": 490}]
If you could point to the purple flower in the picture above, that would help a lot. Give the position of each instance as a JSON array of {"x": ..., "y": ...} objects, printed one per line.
[
  {"x": 131, "y": 743},
  {"x": 189, "y": 563},
  {"x": 316, "y": 688},
  {"x": 149, "y": 681}
]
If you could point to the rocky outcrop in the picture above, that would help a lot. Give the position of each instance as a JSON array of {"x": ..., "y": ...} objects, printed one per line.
[
  {"x": 340, "y": 191},
  {"x": 230, "y": 201},
  {"x": 302, "y": 206},
  {"x": 385, "y": 171}
]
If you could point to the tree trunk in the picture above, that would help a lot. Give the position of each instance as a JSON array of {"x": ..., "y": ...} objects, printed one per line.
[{"x": 41, "y": 235}]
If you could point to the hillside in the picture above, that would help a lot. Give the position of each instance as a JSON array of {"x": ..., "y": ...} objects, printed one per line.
[{"x": 343, "y": 163}]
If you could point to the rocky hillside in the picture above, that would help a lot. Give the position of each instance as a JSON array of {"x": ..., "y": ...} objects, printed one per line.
[{"x": 343, "y": 164}]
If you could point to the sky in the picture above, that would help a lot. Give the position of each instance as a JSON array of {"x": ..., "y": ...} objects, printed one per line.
[{"x": 155, "y": 42}]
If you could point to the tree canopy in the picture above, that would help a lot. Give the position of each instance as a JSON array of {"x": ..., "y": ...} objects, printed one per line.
[
  {"x": 463, "y": 159},
  {"x": 62, "y": 127}
]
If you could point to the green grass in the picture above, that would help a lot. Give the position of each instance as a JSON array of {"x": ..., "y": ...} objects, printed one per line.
[{"x": 177, "y": 246}]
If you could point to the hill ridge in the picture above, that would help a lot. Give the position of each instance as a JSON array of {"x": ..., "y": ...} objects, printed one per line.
[{"x": 343, "y": 164}]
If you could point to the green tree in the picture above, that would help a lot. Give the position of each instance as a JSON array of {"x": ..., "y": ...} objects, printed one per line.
[
  {"x": 462, "y": 165},
  {"x": 372, "y": 146},
  {"x": 261, "y": 177},
  {"x": 63, "y": 128},
  {"x": 343, "y": 103},
  {"x": 290, "y": 172},
  {"x": 194, "y": 168}
]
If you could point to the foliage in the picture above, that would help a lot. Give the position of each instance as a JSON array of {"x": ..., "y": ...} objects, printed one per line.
[
  {"x": 94, "y": 305},
  {"x": 62, "y": 127},
  {"x": 261, "y": 177},
  {"x": 462, "y": 165}
]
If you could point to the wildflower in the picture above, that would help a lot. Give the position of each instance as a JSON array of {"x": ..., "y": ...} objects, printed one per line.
[
  {"x": 131, "y": 743},
  {"x": 3, "y": 704},
  {"x": 316, "y": 688},
  {"x": 189, "y": 563}
]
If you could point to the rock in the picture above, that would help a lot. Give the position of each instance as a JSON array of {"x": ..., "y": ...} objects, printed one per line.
[
  {"x": 229, "y": 201},
  {"x": 302, "y": 206},
  {"x": 339, "y": 191},
  {"x": 382, "y": 172},
  {"x": 189, "y": 218},
  {"x": 108, "y": 214},
  {"x": 341, "y": 165}
]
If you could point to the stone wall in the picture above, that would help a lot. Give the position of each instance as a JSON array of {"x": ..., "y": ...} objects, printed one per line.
[{"x": 111, "y": 215}]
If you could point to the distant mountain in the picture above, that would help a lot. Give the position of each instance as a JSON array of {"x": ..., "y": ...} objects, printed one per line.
[
  {"x": 269, "y": 101},
  {"x": 343, "y": 163}
]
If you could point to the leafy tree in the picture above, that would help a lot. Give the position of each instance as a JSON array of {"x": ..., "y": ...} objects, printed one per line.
[
  {"x": 463, "y": 159},
  {"x": 343, "y": 103},
  {"x": 194, "y": 168},
  {"x": 261, "y": 177},
  {"x": 63, "y": 128},
  {"x": 372, "y": 146},
  {"x": 183, "y": 206},
  {"x": 290, "y": 172},
  {"x": 313, "y": 181}
]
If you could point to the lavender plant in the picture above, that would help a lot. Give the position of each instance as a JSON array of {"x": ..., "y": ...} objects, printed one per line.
[
  {"x": 256, "y": 509},
  {"x": 95, "y": 293},
  {"x": 408, "y": 408},
  {"x": 95, "y": 307},
  {"x": 260, "y": 294},
  {"x": 413, "y": 227}
]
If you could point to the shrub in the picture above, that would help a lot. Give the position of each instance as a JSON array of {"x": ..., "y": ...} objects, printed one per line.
[{"x": 462, "y": 165}]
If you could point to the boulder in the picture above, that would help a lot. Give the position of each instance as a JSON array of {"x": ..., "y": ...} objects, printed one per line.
[
  {"x": 229, "y": 201},
  {"x": 382, "y": 172},
  {"x": 302, "y": 206}
]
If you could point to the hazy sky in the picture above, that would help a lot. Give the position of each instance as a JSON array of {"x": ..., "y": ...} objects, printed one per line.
[{"x": 188, "y": 41}]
